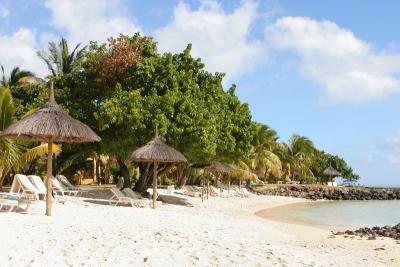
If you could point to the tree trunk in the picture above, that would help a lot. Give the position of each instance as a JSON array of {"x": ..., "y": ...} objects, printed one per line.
[
  {"x": 2, "y": 176},
  {"x": 98, "y": 171},
  {"x": 183, "y": 174},
  {"x": 124, "y": 172},
  {"x": 94, "y": 169},
  {"x": 143, "y": 182}
]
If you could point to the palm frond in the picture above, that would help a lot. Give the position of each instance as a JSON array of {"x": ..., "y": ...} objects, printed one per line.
[
  {"x": 32, "y": 153},
  {"x": 6, "y": 108},
  {"x": 45, "y": 57}
]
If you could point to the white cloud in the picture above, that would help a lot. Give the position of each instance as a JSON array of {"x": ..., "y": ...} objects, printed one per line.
[
  {"x": 347, "y": 68},
  {"x": 4, "y": 12},
  {"x": 218, "y": 38},
  {"x": 88, "y": 20},
  {"x": 19, "y": 50}
]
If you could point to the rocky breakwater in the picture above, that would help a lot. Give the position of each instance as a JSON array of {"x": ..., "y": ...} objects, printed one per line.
[
  {"x": 372, "y": 233},
  {"x": 315, "y": 192}
]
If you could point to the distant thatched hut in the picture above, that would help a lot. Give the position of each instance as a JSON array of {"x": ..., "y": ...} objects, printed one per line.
[{"x": 331, "y": 172}]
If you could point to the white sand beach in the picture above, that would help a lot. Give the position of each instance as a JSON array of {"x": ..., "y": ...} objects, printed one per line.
[{"x": 218, "y": 232}]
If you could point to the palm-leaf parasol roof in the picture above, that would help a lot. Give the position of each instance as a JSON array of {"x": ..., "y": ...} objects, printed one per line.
[
  {"x": 156, "y": 151},
  {"x": 50, "y": 123},
  {"x": 330, "y": 171},
  {"x": 214, "y": 166}
]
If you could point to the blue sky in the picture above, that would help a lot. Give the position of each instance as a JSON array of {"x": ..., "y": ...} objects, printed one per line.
[{"x": 328, "y": 70}]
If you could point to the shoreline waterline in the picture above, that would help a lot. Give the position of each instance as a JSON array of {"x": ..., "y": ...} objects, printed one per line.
[
  {"x": 335, "y": 215},
  {"x": 270, "y": 214}
]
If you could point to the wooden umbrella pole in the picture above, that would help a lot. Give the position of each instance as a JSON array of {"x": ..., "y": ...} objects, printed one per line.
[
  {"x": 202, "y": 187},
  {"x": 229, "y": 185},
  {"x": 49, "y": 176},
  {"x": 154, "y": 185},
  {"x": 220, "y": 185},
  {"x": 208, "y": 185}
]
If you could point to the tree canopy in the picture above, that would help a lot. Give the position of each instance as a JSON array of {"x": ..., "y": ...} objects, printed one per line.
[{"x": 124, "y": 88}]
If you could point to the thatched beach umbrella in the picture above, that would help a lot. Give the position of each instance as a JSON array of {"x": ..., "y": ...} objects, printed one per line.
[
  {"x": 156, "y": 151},
  {"x": 331, "y": 172},
  {"x": 213, "y": 167},
  {"x": 50, "y": 124}
]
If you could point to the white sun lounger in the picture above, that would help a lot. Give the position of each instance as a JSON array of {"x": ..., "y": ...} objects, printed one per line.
[
  {"x": 38, "y": 183},
  {"x": 23, "y": 186},
  {"x": 244, "y": 192},
  {"x": 66, "y": 184},
  {"x": 136, "y": 197},
  {"x": 12, "y": 202},
  {"x": 120, "y": 198},
  {"x": 60, "y": 190},
  {"x": 215, "y": 192}
]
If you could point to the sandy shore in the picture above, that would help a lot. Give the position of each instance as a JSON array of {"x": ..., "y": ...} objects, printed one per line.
[{"x": 219, "y": 232}]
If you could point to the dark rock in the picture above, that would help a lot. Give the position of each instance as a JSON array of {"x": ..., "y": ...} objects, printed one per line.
[
  {"x": 315, "y": 192},
  {"x": 372, "y": 233}
]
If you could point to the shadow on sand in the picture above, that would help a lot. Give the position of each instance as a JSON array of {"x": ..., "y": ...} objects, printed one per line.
[{"x": 101, "y": 196}]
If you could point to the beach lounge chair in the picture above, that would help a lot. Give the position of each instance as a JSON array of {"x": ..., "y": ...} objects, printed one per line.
[
  {"x": 38, "y": 183},
  {"x": 23, "y": 186},
  {"x": 244, "y": 192},
  {"x": 12, "y": 202},
  {"x": 214, "y": 191},
  {"x": 66, "y": 184},
  {"x": 60, "y": 190},
  {"x": 120, "y": 198},
  {"x": 137, "y": 198}
]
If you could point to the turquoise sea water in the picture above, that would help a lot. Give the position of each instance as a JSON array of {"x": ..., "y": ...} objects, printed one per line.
[{"x": 338, "y": 213}]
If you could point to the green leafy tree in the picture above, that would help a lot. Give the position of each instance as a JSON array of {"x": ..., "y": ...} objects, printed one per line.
[
  {"x": 325, "y": 160},
  {"x": 172, "y": 91}
]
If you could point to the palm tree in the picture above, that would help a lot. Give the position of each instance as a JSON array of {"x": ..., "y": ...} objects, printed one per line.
[
  {"x": 10, "y": 151},
  {"x": 14, "y": 155},
  {"x": 17, "y": 76},
  {"x": 264, "y": 160},
  {"x": 297, "y": 156},
  {"x": 59, "y": 60}
]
